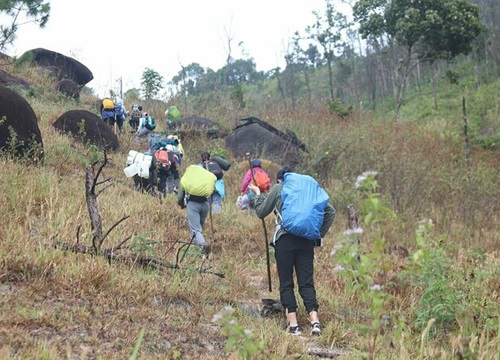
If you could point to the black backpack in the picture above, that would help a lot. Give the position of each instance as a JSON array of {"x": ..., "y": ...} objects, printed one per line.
[{"x": 213, "y": 167}]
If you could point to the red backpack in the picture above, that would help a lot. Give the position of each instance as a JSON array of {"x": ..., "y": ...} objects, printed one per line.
[
  {"x": 164, "y": 159},
  {"x": 262, "y": 179}
]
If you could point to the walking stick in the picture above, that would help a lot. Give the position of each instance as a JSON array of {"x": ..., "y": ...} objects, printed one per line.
[
  {"x": 268, "y": 262},
  {"x": 210, "y": 205}
]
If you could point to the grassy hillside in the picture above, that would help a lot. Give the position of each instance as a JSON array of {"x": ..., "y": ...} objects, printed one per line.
[{"x": 442, "y": 300}]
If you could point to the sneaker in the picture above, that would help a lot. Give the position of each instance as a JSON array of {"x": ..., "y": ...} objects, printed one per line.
[
  {"x": 295, "y": 330},
  {"x": 316, "y": 328},
  {"x": 206, "y": 249}
]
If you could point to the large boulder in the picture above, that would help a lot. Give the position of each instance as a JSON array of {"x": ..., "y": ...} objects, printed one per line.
[
  {"x": 61, "y": 66},
  {"x": 69, "y": 88},
  {"x": 193, "y": 125},
  {"x": 12, "y": 81},
  {"x": 261, "y": 139},
  {"x": 88, "y": 128},
  {"x": 19, "y": 131}
]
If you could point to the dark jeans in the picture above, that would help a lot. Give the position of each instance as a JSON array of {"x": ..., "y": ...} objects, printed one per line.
[
  {"x": 134, "y": 123},
  {"x": 171, "y": 174},
  {"x": 146, "y": 185},
  {"x": 295, "y": 253}
]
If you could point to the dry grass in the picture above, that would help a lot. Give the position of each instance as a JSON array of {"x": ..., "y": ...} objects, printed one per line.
[{"x": 61, "y": 305}]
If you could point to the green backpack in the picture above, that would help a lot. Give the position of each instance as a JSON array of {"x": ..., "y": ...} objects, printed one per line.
[
  {"x": 173, "y": 113},
  {"x": 198, "y": 182}
]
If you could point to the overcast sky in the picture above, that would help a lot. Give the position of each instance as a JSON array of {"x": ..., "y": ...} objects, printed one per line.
[{"x": 117, "y": 38}]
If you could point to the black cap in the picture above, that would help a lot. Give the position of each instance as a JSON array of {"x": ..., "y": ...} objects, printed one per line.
[{"x": 282, "y": 172}]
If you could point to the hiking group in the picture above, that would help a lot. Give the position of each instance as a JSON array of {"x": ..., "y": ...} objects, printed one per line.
[
  {"x": 303, "y": 212},
  {"x": 303, "y": 217},
  {"x": 141, "y": 123},
  {"x": 113, "y": 112}
]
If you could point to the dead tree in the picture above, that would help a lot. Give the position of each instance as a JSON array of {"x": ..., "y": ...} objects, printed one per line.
[{"x": 98, "y": 235}]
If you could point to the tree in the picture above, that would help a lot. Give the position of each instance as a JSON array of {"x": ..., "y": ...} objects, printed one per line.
[
  {"x": 424, "y": 30},
  {"x": 151, "y": 83},
  {"x": 328, "y": 33},
  {"x": 240, "y": 71},
  {"x": 21, "y": 12},
  {"x": 187, "y": 78}
]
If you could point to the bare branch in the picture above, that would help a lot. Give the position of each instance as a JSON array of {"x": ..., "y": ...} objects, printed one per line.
[
  {"x": 119, "y": 246},
  {"x": 102, "y": 190},
  {"x": 78, "y": 234},
  {"x": 113, "y": 226}
]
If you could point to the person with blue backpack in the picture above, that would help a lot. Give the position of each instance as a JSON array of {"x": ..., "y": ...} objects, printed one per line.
[
  {"x": 147, "y": 124},
  {"x": 120, "y": 112},
  {"x": 107, "y": 109},
  {"x": 303, "y": 217}
]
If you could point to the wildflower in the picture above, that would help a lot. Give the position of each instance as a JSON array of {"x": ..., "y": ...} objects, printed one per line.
[
  {"x": 248, "y": 331},
  {"x": 376, "y": 287},
  {"x": 426, "y": 222},
  {"x": 353, "y": 231},
  {"x": 226, "y": 311},
  {"x": 337, "y": 269},
  {"x": 365, "y": 175}
]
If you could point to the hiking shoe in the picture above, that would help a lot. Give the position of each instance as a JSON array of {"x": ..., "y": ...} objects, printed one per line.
[
  {"x": 206, "y": 249},
  {"x": 295, "y": 330},
  {"x": 316, "y": 328}
]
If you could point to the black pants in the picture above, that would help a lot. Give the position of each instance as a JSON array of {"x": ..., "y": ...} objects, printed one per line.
[
  {"x": 295, "y": 253},
  {"x": 163, "y": 176}
]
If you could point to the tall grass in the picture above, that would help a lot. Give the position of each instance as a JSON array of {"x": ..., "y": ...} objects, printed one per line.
[{"x": 443, "y": 298}]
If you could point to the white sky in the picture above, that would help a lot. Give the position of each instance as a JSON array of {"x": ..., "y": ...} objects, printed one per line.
[{"x": 167, "y": 33}]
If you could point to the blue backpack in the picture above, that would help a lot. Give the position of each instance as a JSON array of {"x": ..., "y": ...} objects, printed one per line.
[
  {"x": 119, "y": 110},
  {"x": 304, "y": 203},
  {"x": 150, "y": 123}
]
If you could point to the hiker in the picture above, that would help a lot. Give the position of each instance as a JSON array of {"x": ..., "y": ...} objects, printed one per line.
[
  {"x": 217, "y": 166},
  {"x": 196, "y": 185},
  {"x": 120, "y": 112},
  {"x": 146, "y": 125},
  {"x": 311, "y": 219},
  {"x": 179, "y": 146},
  {"x": 107, "y": 110},
  {"x": 147, "y": 185},
  {"x": 262, "y": 180},
  {"x": 135, "y": 117},
  {"x": 171, "y": 115},
  {"x": 166, "y": 153}
]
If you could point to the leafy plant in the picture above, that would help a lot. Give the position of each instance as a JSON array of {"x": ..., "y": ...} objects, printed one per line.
[
  {"x": 240, "y": 339},
  {"x": 141, "y": 244},
  {"x": 360, "y": 269},
  {"x": 439, "y": 301},
  {"x": 137, "y": 345}
]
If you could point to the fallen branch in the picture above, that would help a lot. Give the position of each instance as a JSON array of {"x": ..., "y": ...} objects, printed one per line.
[
  {"x": 133, "y": 259},
  {"x": 327, "y": 353}
]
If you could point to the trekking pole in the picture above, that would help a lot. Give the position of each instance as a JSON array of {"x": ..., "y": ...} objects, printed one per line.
[
  {"x": 210, "y": 203},
  {"x": 268, "y": 262}
]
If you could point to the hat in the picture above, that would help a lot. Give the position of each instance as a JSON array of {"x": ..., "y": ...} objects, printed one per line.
[
  {"x": 256, "y": 163},
  {"x": 283, "y": 171}
]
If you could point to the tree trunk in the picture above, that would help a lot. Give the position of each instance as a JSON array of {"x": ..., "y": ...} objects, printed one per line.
[
  {"x": 330, "y": 77},
  {"x": 95, "y": 216},
  {"x": 434, "y": 84}
]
